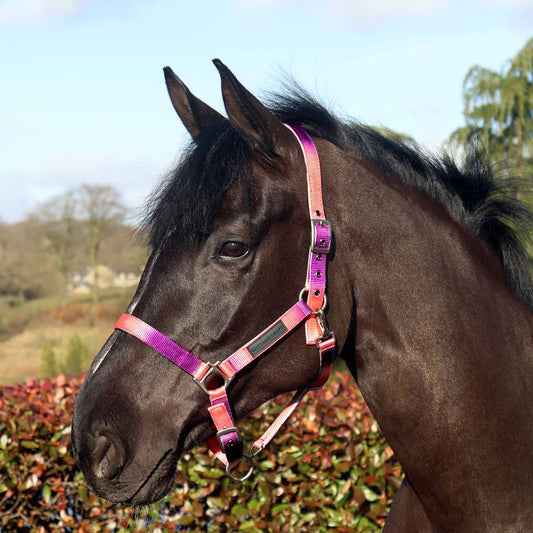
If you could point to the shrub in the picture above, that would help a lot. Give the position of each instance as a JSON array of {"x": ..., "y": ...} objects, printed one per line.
[
  {"x": 48, "y": 361},
  {"x": 77, "y": 355},
  {"x": 69, "y": 312},
  {"x": 329, "y": 469}
]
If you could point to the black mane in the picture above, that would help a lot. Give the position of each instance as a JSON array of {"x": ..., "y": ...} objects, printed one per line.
[
  {"x": 188, "y": 198},
  {"x": 187, "y": 202}
]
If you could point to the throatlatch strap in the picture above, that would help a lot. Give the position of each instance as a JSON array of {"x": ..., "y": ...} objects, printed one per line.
[{"x": 326, "y": 349}]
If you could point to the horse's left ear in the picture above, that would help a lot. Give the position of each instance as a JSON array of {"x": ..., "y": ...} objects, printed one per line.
[
  {"x": 261, "y": 128},
  {"x": 195, "y": 114}
]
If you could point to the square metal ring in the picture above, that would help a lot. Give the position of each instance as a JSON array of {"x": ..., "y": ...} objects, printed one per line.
[{"x": 213, "y": 369}]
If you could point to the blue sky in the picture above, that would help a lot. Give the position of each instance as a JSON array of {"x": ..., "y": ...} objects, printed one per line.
[{"x": 83, "y": 98}]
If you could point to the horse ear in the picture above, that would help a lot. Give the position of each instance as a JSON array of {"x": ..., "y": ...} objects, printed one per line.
[
  {"x": 261, "y": 128},
  {"x": 195, "y": 114}
]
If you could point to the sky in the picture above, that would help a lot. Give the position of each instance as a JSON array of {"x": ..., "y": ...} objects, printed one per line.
[{"x": 83, "y": 100}]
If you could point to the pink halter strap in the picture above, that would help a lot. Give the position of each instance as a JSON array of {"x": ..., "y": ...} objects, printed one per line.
[{"x": 214, "y": 378}]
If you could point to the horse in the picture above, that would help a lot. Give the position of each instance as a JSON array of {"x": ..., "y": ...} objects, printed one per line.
[{"x": 429, "y": 294}]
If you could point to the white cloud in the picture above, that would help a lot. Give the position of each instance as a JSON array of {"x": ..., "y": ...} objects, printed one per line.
[
  {"x": 133, "y": 177},
  {"x": 360, "y": 12},
  {"x": 371, "y": 13},
  {"x": 27, "y": 12},
  {"x": 375, "y": 11}
]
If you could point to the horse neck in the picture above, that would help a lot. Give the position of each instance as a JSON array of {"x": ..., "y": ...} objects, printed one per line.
[{"x": 443, "y": 349}]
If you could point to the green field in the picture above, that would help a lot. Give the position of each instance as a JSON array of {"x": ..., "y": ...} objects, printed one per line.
[{"x": 27, "y": 327}]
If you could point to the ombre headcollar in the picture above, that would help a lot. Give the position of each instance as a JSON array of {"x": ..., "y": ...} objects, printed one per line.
[{"x": 214, "y": 378}]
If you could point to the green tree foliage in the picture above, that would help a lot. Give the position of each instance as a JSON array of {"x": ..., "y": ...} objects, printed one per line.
[
  {"x": 48, "y": 361},
  {"x": 77, "y": 356},
  {"x": 498, "y": 109}
]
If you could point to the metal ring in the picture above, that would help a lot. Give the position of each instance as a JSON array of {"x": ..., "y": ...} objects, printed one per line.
[
  {"x": 305, "y": 290},
  {"x": 213, "y": 369},
  {"x": 251, "y": 452},
  {"x": 229, "y": 466},
  {"x": 322, "y": 308},
  {"x": 302, "y": 293}
]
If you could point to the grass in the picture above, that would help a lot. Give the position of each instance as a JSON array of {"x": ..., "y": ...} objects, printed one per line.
[{"x": 26, "y": 327}]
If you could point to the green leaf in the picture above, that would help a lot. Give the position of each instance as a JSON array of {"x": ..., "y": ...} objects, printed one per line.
[
  {"x": 185, "y": 520},
  {"x": 370, "y": 495},
  {"x": 239, "y": 510},
  {"x": 29, "y": 444},
  {"x": 47, "y": 493},
  {"x": 280, "y": 507}
]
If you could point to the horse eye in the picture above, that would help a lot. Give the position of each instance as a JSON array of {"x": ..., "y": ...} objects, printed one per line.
[{"x": 233, "y": 249}]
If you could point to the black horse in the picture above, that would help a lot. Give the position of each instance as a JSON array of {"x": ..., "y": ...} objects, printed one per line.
[{"x": 429, "y": 292}]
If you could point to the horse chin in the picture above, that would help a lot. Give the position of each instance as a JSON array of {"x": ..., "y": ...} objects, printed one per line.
[
  {"x": 157, "y": 486},
  {"x": 152, "y": 488}
]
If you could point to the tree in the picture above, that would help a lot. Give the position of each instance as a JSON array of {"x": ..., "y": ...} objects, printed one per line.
[
  {"x": 518, "y": 106},
  {"x": 101, "y": 208},
  {"x": 77, "y": 356},
  {"x": 498, "y": 109},
  {"x": 58, "y": 224},
  {"x": 26, "y": 270}
]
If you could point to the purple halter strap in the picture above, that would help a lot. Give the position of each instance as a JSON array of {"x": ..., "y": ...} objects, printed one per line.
[{"x": 214, "y": 378}]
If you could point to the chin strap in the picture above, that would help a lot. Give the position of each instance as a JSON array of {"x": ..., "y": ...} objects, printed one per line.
[{"x": 214, "y": 378}]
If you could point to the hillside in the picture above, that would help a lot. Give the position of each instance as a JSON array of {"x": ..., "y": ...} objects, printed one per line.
[{"x": 27, "y": 328}]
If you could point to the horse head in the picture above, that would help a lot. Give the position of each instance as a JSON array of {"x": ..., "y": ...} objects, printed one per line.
[{"x": 229, "y": 233}]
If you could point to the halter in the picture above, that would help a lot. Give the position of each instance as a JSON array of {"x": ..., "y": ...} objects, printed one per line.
[{"x": 214, "y": 378}]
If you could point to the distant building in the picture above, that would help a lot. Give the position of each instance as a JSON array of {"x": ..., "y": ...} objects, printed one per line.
[{"x": 82, "y": 282}]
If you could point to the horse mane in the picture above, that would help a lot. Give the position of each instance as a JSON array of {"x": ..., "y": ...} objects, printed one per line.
[
  {"x": 470, "y": 192},
  {"x": 186, "y": 202}
]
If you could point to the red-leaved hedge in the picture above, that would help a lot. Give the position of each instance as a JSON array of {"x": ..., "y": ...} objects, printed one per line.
[{"x": 329, "y": 468}]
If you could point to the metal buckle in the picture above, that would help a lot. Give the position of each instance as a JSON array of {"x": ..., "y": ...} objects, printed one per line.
[
  {"x": 322, "y": 322},
  {"x": 213, "y": 370},
  {"x": 223, "y": 432},
  {"x": 314, "y": 237}
]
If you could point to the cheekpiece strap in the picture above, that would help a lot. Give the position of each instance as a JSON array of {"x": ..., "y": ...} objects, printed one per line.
[{"x": 321, "y": 235}]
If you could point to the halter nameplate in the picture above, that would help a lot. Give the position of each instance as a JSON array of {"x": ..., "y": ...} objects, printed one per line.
[{"x": 214, "y": 378}]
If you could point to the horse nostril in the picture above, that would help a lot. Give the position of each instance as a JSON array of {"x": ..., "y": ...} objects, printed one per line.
[{"x": 108, "y": 458}]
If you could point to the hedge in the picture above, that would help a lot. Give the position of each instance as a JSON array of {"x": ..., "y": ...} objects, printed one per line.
[{"x": 329, "y": 468}]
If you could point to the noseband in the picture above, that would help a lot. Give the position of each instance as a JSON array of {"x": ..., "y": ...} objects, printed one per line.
[{"x": 214, "y": 378}]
